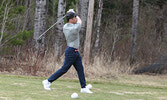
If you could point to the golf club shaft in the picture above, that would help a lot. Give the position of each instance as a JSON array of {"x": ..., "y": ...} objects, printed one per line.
[{"x": 51, "y": 27}]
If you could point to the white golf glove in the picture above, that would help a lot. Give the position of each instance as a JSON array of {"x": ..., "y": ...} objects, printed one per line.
[{"x": 71, "y": 10}]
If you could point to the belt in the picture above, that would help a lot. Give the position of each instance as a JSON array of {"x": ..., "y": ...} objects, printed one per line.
[{"x": 76, "y": 50}]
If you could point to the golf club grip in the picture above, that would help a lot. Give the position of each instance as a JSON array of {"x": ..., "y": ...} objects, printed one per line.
[{"x": 51, "y": 27}]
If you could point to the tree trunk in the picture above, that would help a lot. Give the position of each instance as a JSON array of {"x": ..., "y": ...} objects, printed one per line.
[
  {"x": 52, "y": 37},
  {"x": 2, "y": 4},
  {"x": 88, "y": 32},
  {"x": 59, "y": 30},
  {"x": 115, "y": 37},
  {"x": 4, "y": 23},
  {"x": 97, "y": 28},
  {"x": 40, "y": 23},
  {"x": 134, "y": 31},
  {"x": 27, "y": 18},
  {"x": 160, "y": 22},
  {"x": 83, "y": 12}
]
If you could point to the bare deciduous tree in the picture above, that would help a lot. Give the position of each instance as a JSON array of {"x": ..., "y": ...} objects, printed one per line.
[
  {"x": 134, "y": 31},
  {"x": 115, "y": 37},
  {"x": 6, "y": 12},
  {"x": 40, "y": 22},
  {"x": 88, "y": 32},
  {"x": 59, "y": 30},
  {"x": 27, "y": 17},
  {"x": 97, "y": 27},
  {"x": 83, "y": 12}
]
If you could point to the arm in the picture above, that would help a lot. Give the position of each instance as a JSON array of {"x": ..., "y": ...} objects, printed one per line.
[{"x": 79, "y": 20}]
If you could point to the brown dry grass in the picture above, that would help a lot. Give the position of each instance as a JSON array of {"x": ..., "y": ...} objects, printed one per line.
[
  {"x": 100, "y": 68},
  {"x": 31, "y": 64}
]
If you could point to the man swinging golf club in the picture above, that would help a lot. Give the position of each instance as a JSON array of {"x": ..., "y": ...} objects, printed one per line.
[{"x": 72, "y": 57}]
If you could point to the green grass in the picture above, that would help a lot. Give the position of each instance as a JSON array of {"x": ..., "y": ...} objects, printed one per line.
[{"x": 14, "y": 87}]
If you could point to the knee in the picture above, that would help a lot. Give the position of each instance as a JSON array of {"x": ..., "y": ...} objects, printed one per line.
[
  {"x": 80, "y": 70},
  {"x": 64, "y": 70}
]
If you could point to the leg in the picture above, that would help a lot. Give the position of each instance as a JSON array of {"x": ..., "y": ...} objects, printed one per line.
[
  {"x": 80, "y": 71},
  {"x": 69, "y": 60}
]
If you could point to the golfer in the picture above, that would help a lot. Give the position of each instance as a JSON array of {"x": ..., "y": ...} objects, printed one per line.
[{"x": 72, "y": 57}]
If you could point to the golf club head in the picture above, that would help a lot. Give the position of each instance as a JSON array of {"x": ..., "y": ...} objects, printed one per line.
[{"x": 39, "y": 40}]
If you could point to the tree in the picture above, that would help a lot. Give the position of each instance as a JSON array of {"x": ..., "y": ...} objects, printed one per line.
[
  {"x": 88, "y": 32},
  {"x": 27, "y": 17},
  {"x": 97, "y": 27},
  {"x": 59, "y": 30},
  {"x": 134, "y": 31},
  {"x": 39, "y": 23},
  {"x": 83, "y": 12},
  {"x": 6, "y": 12}
]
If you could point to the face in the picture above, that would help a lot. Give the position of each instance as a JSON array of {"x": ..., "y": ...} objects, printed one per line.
[{"x": 73, "y": 20}]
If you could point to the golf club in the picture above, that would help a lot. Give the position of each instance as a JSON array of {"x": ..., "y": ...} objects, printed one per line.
[{"x": 39, "y": 38}]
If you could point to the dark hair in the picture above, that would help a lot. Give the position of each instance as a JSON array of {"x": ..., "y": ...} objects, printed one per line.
[{"x": 70, "y": 15}]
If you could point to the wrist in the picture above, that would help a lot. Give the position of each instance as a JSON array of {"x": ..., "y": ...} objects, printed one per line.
[{"x": 77, "y": 17}]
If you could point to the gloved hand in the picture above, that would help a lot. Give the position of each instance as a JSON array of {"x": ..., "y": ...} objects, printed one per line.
[{"x": 71, "y": 10}]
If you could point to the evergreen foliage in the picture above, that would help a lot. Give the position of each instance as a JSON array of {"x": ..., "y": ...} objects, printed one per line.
[{"x": 21, "y": 37}]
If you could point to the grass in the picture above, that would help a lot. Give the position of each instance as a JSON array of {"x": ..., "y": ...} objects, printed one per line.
[{"x": 124, "y": 87}]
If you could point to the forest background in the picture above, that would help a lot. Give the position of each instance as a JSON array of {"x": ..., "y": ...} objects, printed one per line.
[{"x": 127, "y": 36}]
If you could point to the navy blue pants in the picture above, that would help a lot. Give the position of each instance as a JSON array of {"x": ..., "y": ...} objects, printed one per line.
[{"x": 72, "y": 57}]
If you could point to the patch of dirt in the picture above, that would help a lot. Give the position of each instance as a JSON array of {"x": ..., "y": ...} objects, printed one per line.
[
  {"x": 162, "y": 98},
  {"x": 138, "y": 93},
  {"x": 3, "y": 98},
  {"x": 20, "y": 84},
  {"x": 117, "y": 93}
]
